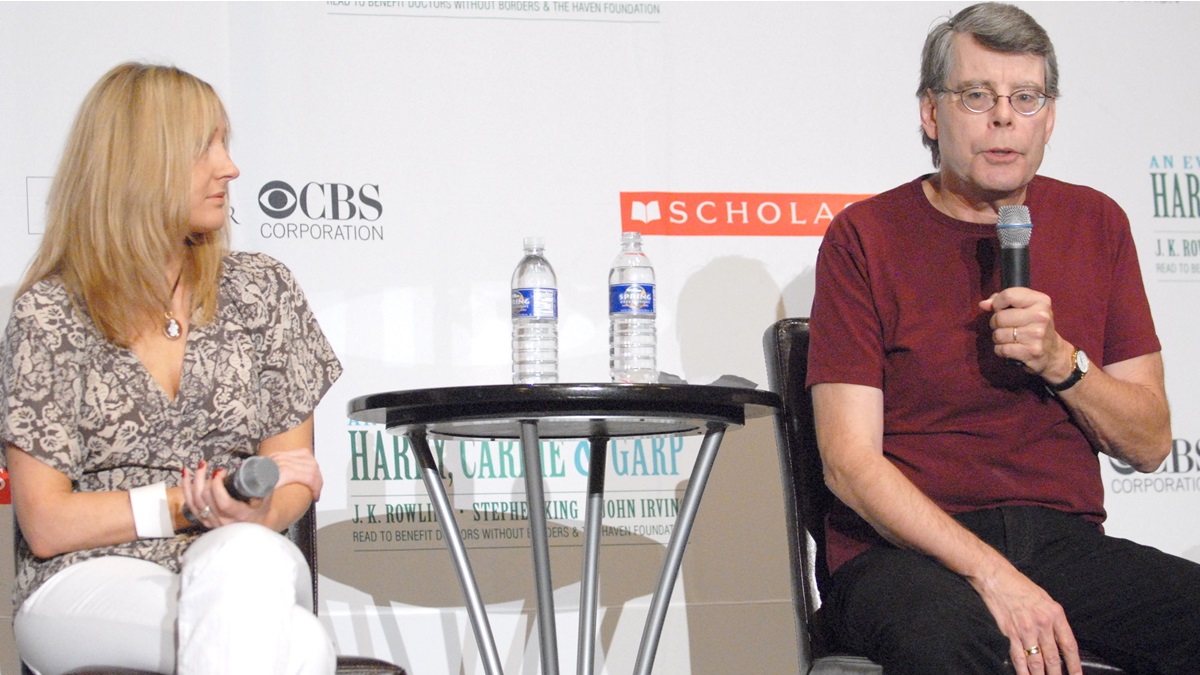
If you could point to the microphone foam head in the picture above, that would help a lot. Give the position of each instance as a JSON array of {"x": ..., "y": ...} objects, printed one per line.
[
  {"x": 1014, "y": 226},
  {"x": 257, "y": 476}
]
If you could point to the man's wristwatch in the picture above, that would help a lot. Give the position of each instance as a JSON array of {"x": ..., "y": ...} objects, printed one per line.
[{"x": 1081, "y": 367}]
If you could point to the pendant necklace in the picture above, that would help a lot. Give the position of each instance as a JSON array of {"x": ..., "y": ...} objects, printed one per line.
[{"x": 171, "y": 327}]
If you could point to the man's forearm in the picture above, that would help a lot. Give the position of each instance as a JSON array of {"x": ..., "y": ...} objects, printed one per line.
[
  {"x": 1123, "y": 411},
  {"x": 865, "y": 480}
]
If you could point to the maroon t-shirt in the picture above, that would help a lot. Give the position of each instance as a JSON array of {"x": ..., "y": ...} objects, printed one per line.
[{"x": 897, "y": 308}]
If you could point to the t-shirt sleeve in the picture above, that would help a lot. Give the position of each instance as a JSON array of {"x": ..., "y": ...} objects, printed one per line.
[
  {"x": 846, "y": 339},
  {"x": 298, "y": 363},
  {"x": 1129, "y": 331},
  {"x": 40, "y": 385}
]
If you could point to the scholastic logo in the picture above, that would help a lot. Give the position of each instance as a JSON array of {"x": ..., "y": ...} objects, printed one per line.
[{"x": 684, "y": 214}]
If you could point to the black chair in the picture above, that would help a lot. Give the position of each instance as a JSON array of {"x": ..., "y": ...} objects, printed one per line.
[
  {"x": 304, "y": 534},
  {"x": 807, "y": 500}
]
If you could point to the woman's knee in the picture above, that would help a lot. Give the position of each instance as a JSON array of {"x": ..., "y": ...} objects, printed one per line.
[
  {"x": 248, "y": 555},
  {"x": 313, "y": 652},
  {"x": 243, "y": 540}
]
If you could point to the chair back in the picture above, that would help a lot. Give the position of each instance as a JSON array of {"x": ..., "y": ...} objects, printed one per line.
[
  {"x": 303, "y": 534},
  {"x": 806, "y": 498}
]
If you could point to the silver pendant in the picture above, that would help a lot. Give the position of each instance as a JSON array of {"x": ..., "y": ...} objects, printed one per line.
[{"x": 172, "y": 329}]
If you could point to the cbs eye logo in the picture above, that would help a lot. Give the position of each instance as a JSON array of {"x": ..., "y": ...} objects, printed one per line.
[
  {"x": 277, "y": 199},
  {"x": 321, "y": 201}
]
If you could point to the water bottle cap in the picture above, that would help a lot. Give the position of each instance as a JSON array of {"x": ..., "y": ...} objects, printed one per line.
[
  {"x": 534, "y": 243},
  {"x": 631, "y": 238}
]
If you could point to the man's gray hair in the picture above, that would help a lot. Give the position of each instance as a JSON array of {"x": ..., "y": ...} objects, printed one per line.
[{"x": 1004, "y": 28}]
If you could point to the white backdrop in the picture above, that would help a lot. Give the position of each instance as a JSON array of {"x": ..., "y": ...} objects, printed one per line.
[{"x": 394, "y": 154}]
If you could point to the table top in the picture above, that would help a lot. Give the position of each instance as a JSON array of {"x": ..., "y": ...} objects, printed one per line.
[{"x": 563, "y": 411}]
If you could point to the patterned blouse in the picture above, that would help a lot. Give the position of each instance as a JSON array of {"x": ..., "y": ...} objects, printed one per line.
[{"x": 92, "y": 410}]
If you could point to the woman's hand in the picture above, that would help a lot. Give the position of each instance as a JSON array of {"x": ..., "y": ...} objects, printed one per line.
[
  {"x": 299, "y": 466},
  {"x": 211, "y": 505},
  {"x": 299, "y": 485}
]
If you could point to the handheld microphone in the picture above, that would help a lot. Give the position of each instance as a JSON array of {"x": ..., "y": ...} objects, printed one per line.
[
  {"x": 256, "y": 478},
  {"x": 1014, "y": 229}
]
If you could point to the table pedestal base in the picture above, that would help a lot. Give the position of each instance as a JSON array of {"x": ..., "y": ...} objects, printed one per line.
[{"x": 589, "y": 584}]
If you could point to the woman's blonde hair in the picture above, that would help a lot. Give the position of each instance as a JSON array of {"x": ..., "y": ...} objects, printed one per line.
[{"x": 120, "y": 203}]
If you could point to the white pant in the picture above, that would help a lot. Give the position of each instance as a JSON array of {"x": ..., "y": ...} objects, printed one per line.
[{"x": 243, "y": 604}]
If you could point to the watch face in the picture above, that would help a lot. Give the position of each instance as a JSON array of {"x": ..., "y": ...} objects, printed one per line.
[{"x": 1081, "y": 361}]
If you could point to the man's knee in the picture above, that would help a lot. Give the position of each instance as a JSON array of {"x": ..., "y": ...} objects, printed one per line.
[
  {"x": 943, "y": 643},
  {"x": 912, "y": 615}
]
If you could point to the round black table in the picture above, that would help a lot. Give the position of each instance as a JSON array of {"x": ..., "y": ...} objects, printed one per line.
[{"x": 597, "y": 412}]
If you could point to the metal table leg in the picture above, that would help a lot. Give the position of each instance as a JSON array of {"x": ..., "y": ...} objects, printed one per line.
[
  {"x": 547, "y": 630},
  {"x": 589, "y": 579},
  {"x": 679, "y": 539},
  {"x": 458, "y": 552}
]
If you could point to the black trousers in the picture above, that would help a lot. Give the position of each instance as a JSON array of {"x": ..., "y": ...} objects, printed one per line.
[{"x": 1132, "y": 605}]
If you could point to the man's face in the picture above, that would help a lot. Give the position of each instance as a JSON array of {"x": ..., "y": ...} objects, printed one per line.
[{"x": 989, "y": 156}]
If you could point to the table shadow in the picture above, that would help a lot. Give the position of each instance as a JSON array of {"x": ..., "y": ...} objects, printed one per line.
[{"x": 423, "y": 575}]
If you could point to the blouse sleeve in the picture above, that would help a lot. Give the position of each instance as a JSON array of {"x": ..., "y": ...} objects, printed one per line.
[
  {"x": 298, "y": 364},
  {"x": 40, "y": 385}
]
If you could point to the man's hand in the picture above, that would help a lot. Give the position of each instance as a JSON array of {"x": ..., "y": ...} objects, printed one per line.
[
  {"x": 1032, "y": 620},
  {"x": 1121, "y": 407},
  {"x": 1023, "y": 330}
]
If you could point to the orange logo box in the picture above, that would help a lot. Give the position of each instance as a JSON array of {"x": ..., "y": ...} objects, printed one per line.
[{"x": 682, "y": 214}]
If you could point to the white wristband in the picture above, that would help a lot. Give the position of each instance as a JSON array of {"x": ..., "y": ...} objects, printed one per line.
[{"x": 151, "y": 514}]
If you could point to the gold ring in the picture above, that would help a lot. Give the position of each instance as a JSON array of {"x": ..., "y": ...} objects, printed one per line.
[
  {"x": 1034, "y": 650},
  {"x": 1014, "y": 333}
]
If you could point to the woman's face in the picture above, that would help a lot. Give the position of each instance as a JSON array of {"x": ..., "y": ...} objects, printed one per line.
[{"x": 210, "y": 177}]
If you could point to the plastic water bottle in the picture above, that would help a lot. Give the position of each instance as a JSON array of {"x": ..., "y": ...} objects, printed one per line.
[
  {"x": 631, "y": 311},
  {"x": 534, "y": 317}
]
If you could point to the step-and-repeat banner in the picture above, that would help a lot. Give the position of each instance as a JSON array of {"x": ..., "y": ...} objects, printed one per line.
[{"x": 394, "y": 155}]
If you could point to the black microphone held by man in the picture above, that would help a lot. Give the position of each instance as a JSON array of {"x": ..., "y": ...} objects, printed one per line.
[{"x": 1014, "y": 228}]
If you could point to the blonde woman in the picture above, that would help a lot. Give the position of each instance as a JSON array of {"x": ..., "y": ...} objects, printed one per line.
[{"x": 142, "y": 362}]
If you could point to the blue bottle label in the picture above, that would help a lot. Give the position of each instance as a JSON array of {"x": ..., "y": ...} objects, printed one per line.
[
  {"x": 631, "y": 299},
  {"x": 535, "y": 303}
]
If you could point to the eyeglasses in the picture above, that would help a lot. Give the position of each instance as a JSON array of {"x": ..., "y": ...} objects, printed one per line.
[{"x": 981, "y": 99}]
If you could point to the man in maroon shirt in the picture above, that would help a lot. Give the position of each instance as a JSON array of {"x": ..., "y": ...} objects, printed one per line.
[{"x": 959, "y": 423}]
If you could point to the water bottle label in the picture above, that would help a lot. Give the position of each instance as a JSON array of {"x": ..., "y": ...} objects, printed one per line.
[
  {"x": 535, "y": 303},
  {"x": 631, "y": 299}
]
